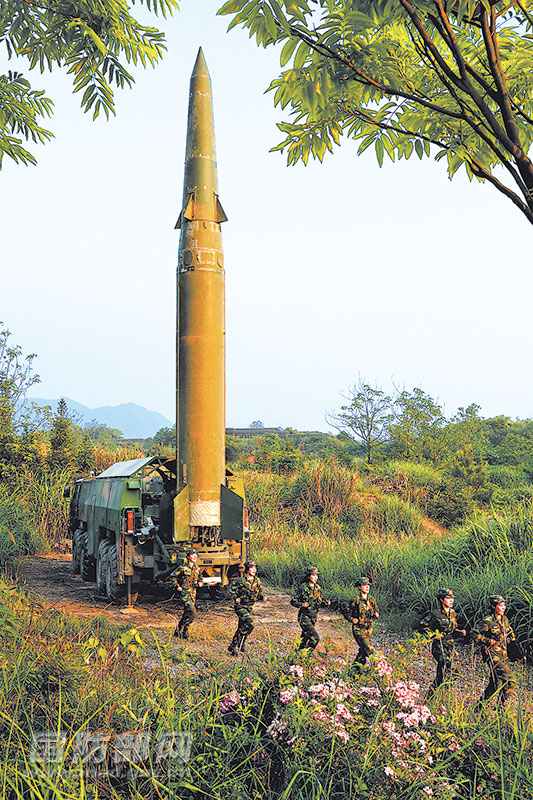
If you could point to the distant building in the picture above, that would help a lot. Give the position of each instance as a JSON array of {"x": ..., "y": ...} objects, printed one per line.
[{"x": 247, "y": 433}]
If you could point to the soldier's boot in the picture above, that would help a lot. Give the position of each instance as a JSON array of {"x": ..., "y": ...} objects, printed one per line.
[
  {"x": 242, "y": 646},
  {"x": 232, "y": 649}
]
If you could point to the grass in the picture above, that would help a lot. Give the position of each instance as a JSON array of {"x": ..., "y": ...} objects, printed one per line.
[{"x": 174, "y": 728}]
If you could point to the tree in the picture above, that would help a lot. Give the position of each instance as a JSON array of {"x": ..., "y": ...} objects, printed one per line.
[
  {"x": 256, "y": 424},
  {"x": 63, "y": 438},
  {"x": 365, "y": 417},
  {"x": 445, "y": 77},
  {"x": 416, "y": 431},
  {"x": 16, "y": 377},
  {"x": 91, "y": 39}
]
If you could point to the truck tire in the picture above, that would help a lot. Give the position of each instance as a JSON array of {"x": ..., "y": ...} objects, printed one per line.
[
  {"x": 103, "y": 548},
  {"x": 76, "y": 551},
  {"x": 88, "y": 567},
  {"x": 114, "y": 590}
]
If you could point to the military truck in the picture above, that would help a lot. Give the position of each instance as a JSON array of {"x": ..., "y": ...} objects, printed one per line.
[{"x": 127, "y": 530}]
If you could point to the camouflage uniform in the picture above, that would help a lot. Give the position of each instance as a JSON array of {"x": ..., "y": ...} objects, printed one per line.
[
  {"x": 501, "y": 679},
  {"x": 364, "y": 611},
  {"x": 442, "y": 647},
  {"x": 248, "y": 592},
  {"x": 188, "y": 577},
  {"x": 312, "y": 594}
]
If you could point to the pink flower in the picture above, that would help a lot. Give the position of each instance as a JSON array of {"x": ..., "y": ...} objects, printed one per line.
[
  {"x": 383, "y": 667},
  {"x": 230, "y": 701},
  {"x": 372, "y": 691},
  {"x": 297, "y": 670},
  {"x": 428, "y": 790},
  {"x": 453, "y": 746},
  {"x": 390, "y": 772},
  {"x": 287, "y": 695}
]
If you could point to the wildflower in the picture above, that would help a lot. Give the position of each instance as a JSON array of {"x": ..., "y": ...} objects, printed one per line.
[
  {"x": 390, "y": 772},
  {"x": 297, "y": 670},
  {"x": 383, "y": 667},
  {"x": 289, "y": 694},
  {"x": 406, "y": 693},
  {"x": 428, "y": 790},
  {"x": 372, "y": 691},
  {"x": 343, "y": 712},
  {"x": 229, "y": 702},
  {"x": 453, "y": 746},
  {"x": 278, "y": 730}
]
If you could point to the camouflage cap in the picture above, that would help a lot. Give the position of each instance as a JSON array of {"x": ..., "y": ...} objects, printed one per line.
[
  {"x": 191, "y": 551},
  {"x": 495, "y": 599},
  {"x": 363, "y": 580},
  {"x": 311, "y": 571},
  {"x": 442, "y": 593},
  {"x": 248, "y": 564}
]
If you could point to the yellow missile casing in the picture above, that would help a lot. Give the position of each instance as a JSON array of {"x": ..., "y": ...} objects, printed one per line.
[{"x": 201, "y": 317}]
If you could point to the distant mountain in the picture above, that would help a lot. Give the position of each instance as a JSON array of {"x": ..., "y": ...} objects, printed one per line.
[{"x": 135, "y": 422}]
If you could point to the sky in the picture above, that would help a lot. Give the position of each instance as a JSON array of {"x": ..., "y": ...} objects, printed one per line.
[{"x": 334, "y": 271}]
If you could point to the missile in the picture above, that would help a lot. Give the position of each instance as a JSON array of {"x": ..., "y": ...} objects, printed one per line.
[{"x": 200, "y": 345}]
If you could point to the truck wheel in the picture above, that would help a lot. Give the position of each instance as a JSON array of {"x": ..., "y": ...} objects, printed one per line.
[
  {"x": 103, "y": 548},
  {"x": 76, "y": 552},
  {"x": 88, "y": 567},
  {"x": 113, "y": 589}
]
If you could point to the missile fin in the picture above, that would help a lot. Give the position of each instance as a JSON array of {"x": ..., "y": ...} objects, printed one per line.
[{"x": 220, "y": 214}]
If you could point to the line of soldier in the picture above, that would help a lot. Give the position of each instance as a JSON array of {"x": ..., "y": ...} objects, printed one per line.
[{"x": 495, "y": 636}]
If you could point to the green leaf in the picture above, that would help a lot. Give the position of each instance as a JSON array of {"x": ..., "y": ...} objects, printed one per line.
[
  {"x": 287, "y": 51},
  {"x": 379, "y": 151}
]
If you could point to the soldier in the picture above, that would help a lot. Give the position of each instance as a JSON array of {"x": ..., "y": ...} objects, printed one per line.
[
  {"x": 494, "y": 636},
  {"x": 361, "y": 611},
  {"x": 186, "y": 579},
  {"x": 246, "y": 590},
  {"x": 443, "y": 623},
  {"x": 308, "y": 600}
]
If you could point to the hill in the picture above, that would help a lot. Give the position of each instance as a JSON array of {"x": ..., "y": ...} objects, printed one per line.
[{"x": 135, "y": 422}]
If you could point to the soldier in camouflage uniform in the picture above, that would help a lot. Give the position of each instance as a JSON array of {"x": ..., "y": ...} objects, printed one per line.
[
  {"x": 187, "y": 579},
  {"x": 443, "y": 623},
  {"x": 494, "y": 636},
  {"x": 246, "y": 591},
  {"x": 361, "y": 611},
  {"x": 308, "y": 600}
]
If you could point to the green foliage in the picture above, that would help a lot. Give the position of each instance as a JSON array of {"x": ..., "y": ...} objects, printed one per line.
[
  {"x": 285, "y": 727},
  {"x": 450, "y": 80},
  {"x": 278, "y": 454},
  {"x": 16, "y": 377},
  {"x": 416, "y": 431},
  {"x": 365, "y": 417},
  {"x": 92, "y": 40},
  {"x": 163, "y": 443}
]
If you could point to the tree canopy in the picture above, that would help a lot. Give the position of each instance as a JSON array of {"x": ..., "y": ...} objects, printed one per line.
[
  {"x": 448, "y": 78},
  {"x": 91, "y": 39}
]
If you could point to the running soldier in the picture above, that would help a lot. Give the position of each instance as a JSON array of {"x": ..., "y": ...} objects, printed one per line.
[
  {"x": 187, "y": 579},
  {"x": 495, "y": 636},
  {"x": 246, "y": 590},
  {"x": 443, "y": 623},
  {"x": 308, "y": 600},
  {"x": 361, "y": 612}
]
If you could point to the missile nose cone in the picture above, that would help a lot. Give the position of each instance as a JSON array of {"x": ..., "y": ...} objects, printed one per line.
[
  {"x": 200, "y": 67},
  {"x": 200, "y": 188}
]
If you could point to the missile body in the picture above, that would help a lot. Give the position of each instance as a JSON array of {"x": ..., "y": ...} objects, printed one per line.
[{"x": 200, "y": 321}]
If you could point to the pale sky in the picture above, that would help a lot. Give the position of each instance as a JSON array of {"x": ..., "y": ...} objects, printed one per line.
[{"x": 332, "y": 271}]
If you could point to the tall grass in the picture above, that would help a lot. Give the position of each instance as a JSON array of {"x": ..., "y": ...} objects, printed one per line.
[
  {"x": 327, "y": 495},
  {"x": 488, "y": 555},
  {"x": 295, "y": 727}
]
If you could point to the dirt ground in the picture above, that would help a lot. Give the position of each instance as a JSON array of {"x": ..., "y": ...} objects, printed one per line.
[{"x": 50, "y": 577}]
